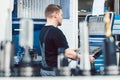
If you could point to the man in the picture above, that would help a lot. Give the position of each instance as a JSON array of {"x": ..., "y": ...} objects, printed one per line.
[{"x": 53, "y": 41}]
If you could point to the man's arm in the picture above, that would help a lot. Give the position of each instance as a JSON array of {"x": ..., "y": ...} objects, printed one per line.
[{"x": 72, "y": 54}]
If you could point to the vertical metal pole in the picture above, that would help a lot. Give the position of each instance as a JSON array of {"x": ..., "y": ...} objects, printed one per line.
[
  {"x": 117, "y": 6},
  {"x": 26, "y": 41},
  {"x": 6, "y": 36},
  {"x": 26, "y": 33},
  {"x": 84, "y": 45}
]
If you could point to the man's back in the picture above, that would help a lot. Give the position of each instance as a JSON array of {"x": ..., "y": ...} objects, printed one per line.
[{"x": 54, "y": 40}]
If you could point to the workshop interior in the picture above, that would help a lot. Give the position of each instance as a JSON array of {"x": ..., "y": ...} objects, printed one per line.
[{"x": 90, "y": 26}]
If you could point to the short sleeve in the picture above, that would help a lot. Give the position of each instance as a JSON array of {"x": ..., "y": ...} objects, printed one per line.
[{"x": 60, "y": 39}]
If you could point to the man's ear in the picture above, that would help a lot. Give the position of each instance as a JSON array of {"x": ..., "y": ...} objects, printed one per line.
[{"x": 54, "y": 15}]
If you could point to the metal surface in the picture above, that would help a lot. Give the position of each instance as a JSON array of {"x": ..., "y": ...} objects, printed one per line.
[
  {"x": 33, "y": 8},
  {"x": 117, "y": 6},
  {"x": 36, "y": 8},
  {"x": 84, "y": 45},
  {"x": 96, "y": 24},
  {"x": 26, "y": 33}
]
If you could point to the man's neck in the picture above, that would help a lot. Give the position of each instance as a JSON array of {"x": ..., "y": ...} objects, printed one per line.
[{"x": 51, "y": 22}]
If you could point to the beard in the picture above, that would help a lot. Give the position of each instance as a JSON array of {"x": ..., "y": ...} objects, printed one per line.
[{"x": 59, "y": 23}]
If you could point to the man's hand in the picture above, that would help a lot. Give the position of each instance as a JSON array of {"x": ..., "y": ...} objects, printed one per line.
[{"x": 92, "y": 59}]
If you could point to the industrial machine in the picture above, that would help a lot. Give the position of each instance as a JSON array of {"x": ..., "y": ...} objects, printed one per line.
[{"x": 22, "y": 20}]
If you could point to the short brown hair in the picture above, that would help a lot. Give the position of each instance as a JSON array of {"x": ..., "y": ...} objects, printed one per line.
[{"x": 51, "y": 8}]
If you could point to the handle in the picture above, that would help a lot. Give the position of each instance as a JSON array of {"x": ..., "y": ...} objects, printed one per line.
[{"x": 107, "y": 24}]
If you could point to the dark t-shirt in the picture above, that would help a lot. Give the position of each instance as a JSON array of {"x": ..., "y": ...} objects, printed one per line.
[{"x": 54, "y": 41}]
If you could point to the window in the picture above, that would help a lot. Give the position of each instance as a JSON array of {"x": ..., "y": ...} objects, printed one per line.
[{"x": 36, "y": 8}]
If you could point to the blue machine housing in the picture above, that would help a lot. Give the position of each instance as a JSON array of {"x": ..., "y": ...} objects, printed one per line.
[{"x": 38, "y": 24}]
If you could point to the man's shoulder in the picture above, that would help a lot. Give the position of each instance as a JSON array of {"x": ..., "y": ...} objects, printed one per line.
[{"x": 51, "y": 29}]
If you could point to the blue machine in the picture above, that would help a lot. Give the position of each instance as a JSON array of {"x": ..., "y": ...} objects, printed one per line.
[
  {"x": 38, "y": 24},
  {"x": 116, "y": 25},
  {"x": 96, "y": 30}
]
